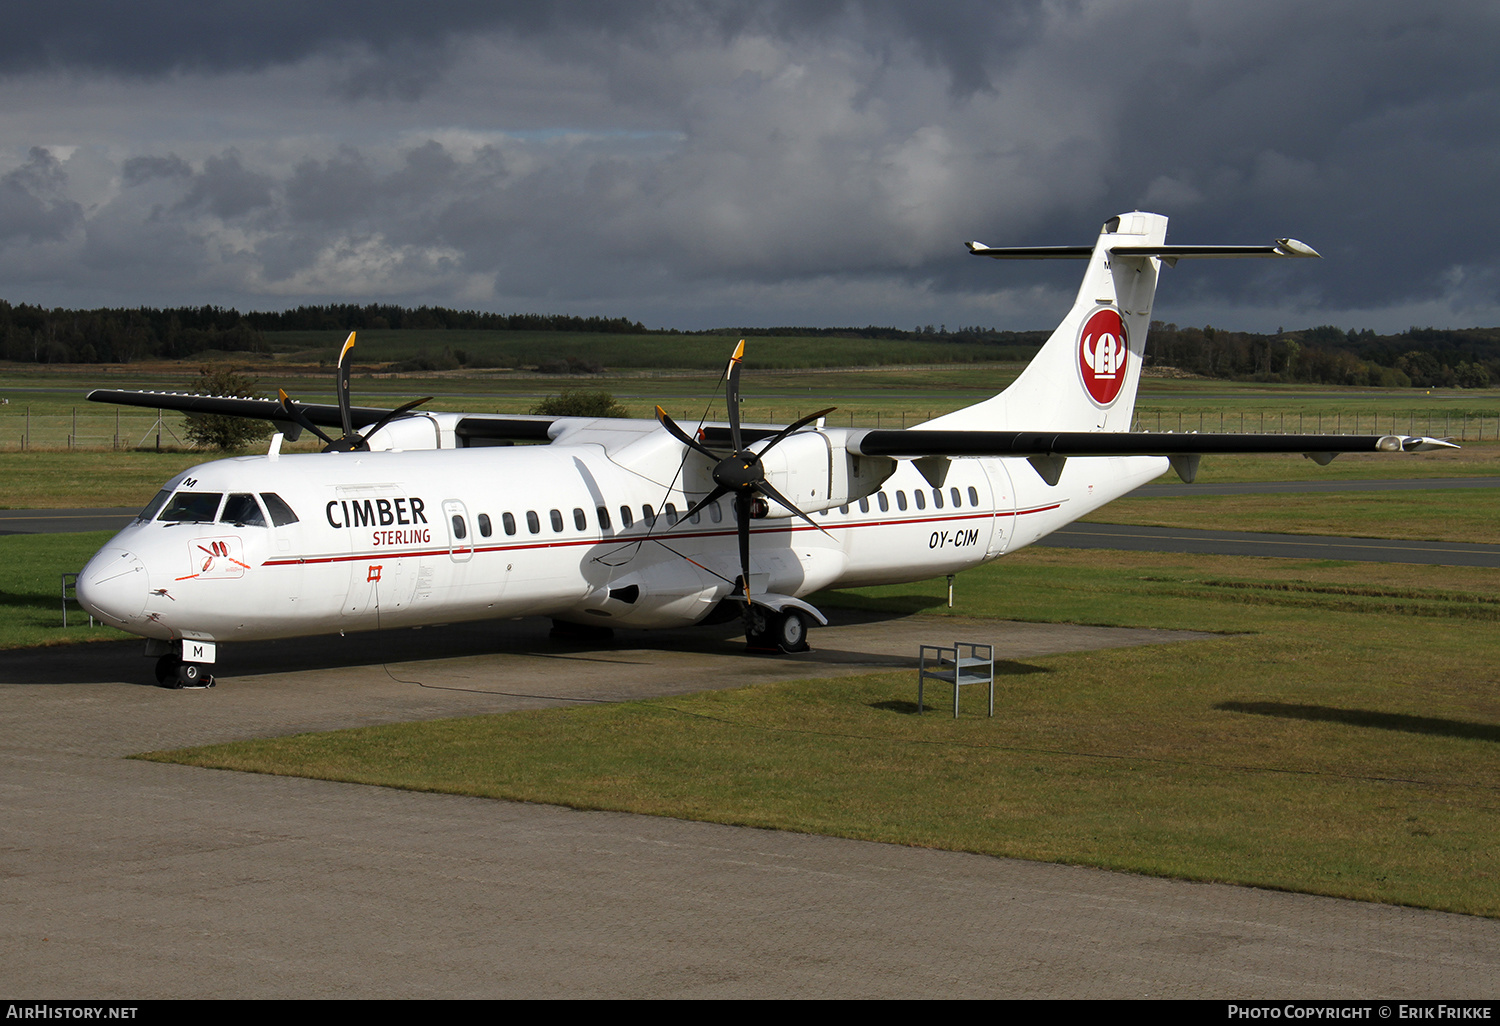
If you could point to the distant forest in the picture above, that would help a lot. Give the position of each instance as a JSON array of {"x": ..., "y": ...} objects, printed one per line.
[{"x": 1415, "y": 358}]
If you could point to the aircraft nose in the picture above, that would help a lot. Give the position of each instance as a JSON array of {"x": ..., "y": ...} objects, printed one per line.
[{"x": 113, "y": 586}]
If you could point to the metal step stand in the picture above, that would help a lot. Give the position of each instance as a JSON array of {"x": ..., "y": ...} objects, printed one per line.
[{"x": 959, "y": 664}]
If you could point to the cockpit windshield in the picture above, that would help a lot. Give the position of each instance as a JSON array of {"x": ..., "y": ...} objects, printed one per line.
[
  {"x": 192, "y": 507},
  {"x": 242, "y": 511},
  {"x": 154, "y": 506}
]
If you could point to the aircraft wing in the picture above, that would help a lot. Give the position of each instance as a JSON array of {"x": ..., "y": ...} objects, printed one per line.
[
  {"x": 486, "y": 426},
  {"x": 916, "y": 443},
  {"x": 230, "y": 406}
]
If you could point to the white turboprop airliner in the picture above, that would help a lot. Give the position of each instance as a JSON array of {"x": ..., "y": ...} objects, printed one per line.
[{"x": 428, "y": 518}]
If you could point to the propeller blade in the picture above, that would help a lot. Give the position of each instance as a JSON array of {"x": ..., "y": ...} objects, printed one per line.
[
  {"x": 713, "y": 496},
  {"x": 681, "y": 435},
  {"x": 732, "y": 394},
  {"x": 742, "y": 519},
  {"x": 343, "y": 387},
  {"x": 775, "y": 441},
  {"x": 296, "y": 414},
  {"x": 765, "y": 489}
]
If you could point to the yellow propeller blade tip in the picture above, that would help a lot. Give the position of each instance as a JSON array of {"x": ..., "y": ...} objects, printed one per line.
[
  {"x": 348, "y": 345},
  {"x": 739, "y": 352},
  {"x": 660, "y": 413}
]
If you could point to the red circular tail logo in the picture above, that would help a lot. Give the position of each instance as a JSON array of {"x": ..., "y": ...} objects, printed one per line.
[{"x": 1103, "y": 353}]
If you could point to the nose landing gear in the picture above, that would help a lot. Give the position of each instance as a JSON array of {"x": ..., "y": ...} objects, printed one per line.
[{"x": 172, "y": 672}]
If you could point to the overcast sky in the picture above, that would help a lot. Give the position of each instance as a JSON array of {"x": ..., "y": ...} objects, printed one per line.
[{"x": 722, "y": 163}]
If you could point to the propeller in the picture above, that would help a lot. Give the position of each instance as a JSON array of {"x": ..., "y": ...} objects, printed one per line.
[
  {"x": 352, "y": 440},
  {"x": 741, "y": 473}
]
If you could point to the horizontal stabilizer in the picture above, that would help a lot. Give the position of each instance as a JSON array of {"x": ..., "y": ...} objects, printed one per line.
[{"x": 1171, "y": 254}]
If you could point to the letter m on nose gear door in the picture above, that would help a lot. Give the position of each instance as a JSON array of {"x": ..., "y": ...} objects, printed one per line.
[{"x": 460, "y": 533}]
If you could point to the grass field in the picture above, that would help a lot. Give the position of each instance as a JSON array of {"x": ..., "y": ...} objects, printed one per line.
[
  {"x": 1422, "y": 515},
  {"x": 31, "y": 568},
  {"x": 871, "y": 383},
  {"x": 1344, "y": 740}
]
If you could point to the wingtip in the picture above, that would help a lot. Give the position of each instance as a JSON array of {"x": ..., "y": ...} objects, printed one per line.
[{"x": 1296, "y": 248}]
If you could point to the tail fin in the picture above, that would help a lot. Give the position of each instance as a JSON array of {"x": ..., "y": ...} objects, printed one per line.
[{"x": 1085, "y": 377}]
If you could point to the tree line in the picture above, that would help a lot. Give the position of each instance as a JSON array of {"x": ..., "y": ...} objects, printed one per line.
[
  {"x": 34, "y": 334},
  {"x": 1418, "y": 357},
  {"x": 1415, "y": 358}
]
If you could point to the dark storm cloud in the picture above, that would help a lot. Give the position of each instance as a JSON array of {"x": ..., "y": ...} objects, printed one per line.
[
  {"x": 228, "y": 189},
  {"x": 766, "y": 160},
  {"x": 32, "y": 205},
  {"x": 152, "y": 37}
]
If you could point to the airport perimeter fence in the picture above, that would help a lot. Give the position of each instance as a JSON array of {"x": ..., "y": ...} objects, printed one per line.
[{"x": 22, "y": 430}]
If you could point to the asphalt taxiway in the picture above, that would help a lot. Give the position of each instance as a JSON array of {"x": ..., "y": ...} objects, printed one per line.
[{"x": 136, "y": 880}]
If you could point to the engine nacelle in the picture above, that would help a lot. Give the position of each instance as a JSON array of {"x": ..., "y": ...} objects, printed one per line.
[
  {"x": 420, "y": 431},
  {"x": 813, "y": 470}
]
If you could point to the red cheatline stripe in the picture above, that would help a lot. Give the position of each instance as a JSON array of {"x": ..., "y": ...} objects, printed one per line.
[{"x": 631, "y": 539}]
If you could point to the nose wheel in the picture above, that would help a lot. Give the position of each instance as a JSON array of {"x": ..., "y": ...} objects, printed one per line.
[{"x": 172, "y": 672}]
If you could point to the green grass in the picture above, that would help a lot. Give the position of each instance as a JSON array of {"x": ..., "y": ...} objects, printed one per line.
[
  {"x": 68, "y": 480},
  {"x": 618, "y": 351},
  {"x": 1344, "y": 740},
  {"x": 31, "y": 566},
  {"x": 1462, "y": 515}
]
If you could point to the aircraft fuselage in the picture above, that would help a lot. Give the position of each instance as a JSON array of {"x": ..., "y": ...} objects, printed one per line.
[{"x": 393, "y": 539}]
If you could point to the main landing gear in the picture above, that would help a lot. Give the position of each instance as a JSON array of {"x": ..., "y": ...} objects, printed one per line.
[{"x": 769, "y": 631}]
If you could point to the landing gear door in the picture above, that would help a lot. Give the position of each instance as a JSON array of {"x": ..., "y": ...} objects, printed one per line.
[{"x": 460, "y": 531}]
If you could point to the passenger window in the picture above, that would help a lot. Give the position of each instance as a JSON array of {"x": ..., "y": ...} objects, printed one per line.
[
  {"x": 579, "y": 520},
  {"x": 958, "y": 500},
  {"x": 533, "y": 522},
  {"x": 509, "y": 523},
  {"x": 901, "y": 500},
  {"x": 626, "y": 520},
  {"x": 603, "y": 512},
  {"x": 937, "y": 498},
  {"x": 648, "y": 516},
  {"x": 195, "y": 507},
  {"x": 822, "y": 512},
  {"x": 715, "y": 513},
  {"x": 460, "y": 532},
  {"x": 242, "y": 510},
  {"x": 281, "y": 513},
  {"x": 671, "y": 513},
  {"x": 844, "y": 509},
  {"x": 920, "y": 498},
  {"x": 697, "y": 516},
  {"x": 557, "y": 523},
  {"x": 973, "y": 496},
  {"x": 485, "y": 530},
  {"x": 154, "y": 506},
  {"x": 885, "y": 504},
  {"x": 864, "y": 504}
]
